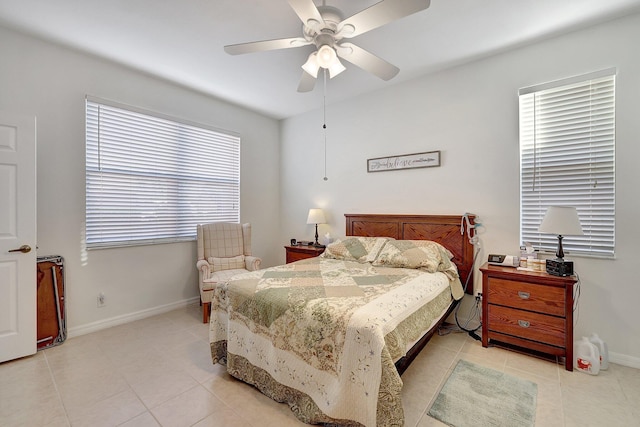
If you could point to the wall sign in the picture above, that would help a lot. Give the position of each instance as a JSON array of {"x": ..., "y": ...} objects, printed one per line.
[{"x": 405, "y": 161}]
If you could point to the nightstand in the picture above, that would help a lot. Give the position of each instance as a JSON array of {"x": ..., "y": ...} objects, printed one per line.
[
  {"x": 296, "y": 253},
  {"x": 529, "y": 309}
]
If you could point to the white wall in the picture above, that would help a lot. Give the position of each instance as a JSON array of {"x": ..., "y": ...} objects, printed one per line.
[
  {"x": 470, "y": 113},
  {"x": 50, "y": 82}
]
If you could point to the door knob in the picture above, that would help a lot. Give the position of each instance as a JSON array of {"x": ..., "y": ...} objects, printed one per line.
[{"x": 24, "y": 249}]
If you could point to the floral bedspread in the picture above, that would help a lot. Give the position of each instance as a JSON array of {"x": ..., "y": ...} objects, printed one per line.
[{"x": 312, "y": 333}]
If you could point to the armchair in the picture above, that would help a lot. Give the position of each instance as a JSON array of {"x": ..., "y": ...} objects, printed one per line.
[{"x": 224, "y": 250}]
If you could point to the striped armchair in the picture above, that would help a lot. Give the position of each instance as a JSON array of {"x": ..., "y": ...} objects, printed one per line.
[{"x": 224, "y": 250}]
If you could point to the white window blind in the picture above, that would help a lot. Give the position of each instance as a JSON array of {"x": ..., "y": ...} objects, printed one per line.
[
  {"x": 151, "y": 179},
  {"x": 567, "y": 158}
]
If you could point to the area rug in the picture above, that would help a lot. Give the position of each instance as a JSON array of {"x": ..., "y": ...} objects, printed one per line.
[{"x": 475, "y": 396}]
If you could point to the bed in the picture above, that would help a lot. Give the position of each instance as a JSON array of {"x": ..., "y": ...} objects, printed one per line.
[{"x": 331, "y": 335}]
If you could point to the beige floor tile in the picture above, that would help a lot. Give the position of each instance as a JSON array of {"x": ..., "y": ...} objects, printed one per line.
[
  {"x": 143, "y": 420},
  {"x": 188, "y": 408},
  {"x": 223, "y": 418},
  {"x": 581, "y": 413},
  {"x": 540, "y": 367},
  {"x": 491, "y": 357},
  {"x": 428, "y": 359},
  {"x": 419, "y": 391},
  {"x": 112, "y": 411},
  {"x": 31, "y": 407},
  {"x": 201, "y": 331},
  {"x": 78, "y": 369},
  {"x": 175, "y": 339},
  {"x": 452, "y": 341},
  {"x": 629, "y": 380},
  {"x": 602, "y": 387},
  {"x": 28, "y": 395},
  {"x": 549, "y": 413},
  {"x": 227, "y": 388},
  {"x": 78, "y": 392},
  {"x": 163, "y": 387},
  {"x": 55, "y": 421},
  {"x": 146, "y": 365},
  {"x": 195, "y": 358},
  {"x": 120, "y": 353},
  {"x": 249, "y": 403},
  {"x": 187, "y": 316}
]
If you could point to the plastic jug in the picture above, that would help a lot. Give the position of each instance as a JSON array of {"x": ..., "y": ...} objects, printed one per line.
[
  {"x": 586, "y": 357},
  {"x": 602, "y": 348}
]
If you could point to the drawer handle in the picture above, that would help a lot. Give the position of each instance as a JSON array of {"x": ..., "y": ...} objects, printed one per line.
[
  {"x": 524, "y": 323},
  {"x": 524, "y": 295}
]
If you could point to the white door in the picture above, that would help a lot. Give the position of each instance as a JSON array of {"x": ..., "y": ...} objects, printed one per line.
[{"x": 17, "y": 236}]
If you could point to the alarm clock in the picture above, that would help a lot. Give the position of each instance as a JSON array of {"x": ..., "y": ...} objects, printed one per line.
[{"x": 504, "y": 260}]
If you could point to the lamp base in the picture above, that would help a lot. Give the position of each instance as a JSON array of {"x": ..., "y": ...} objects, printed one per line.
[{"x": 559, "y": 267}]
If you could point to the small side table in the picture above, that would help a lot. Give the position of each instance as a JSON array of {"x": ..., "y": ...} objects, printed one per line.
[
  {"x": 528, "y": 309},
  {"x": 297, "y": 252}
]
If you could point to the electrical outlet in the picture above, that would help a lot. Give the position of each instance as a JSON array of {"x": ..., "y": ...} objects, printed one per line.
[{"x": 101, "y": 300}]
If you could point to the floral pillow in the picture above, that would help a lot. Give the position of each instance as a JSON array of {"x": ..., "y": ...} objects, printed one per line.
[
  {"x": 423, "y": 254},
  {"x": 360, "y": 249}
]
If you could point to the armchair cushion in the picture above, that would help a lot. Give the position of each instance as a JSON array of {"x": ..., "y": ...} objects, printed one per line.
[{"x": 228, "y": 263}]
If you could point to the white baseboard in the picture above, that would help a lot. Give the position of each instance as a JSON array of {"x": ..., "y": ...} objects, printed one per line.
[
  {"x": 126, "y": 318},
  {"x": 623, "y": 359}
]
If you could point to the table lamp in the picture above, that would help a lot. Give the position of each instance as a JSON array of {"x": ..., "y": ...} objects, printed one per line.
[
  {"x": 562, "y": 221},
  {"x": 316, "y": 216}
]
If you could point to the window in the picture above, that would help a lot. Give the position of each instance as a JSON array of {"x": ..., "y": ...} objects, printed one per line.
[
  {"x": 151, "y": 179},
  {"x": 567, "y": 158}
]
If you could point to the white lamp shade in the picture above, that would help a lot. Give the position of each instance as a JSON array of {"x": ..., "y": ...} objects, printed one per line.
[
  {"x": 326, "y": 56},
  {"x": 336, "y": 68},
  {"x": 316, "y": 216},
  {"x": 561, "y": 220},
  {"x": 311, "y": 66}
]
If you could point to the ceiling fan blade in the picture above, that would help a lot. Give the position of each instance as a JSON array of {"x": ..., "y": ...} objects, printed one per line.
[
  {"x": 378, "y": 15},
  {"x": 307, "y": 12},
  {"x": 307, "y": 82},
  {"x": 367, "y": 61},
  {"x": 239, "y": 49}
]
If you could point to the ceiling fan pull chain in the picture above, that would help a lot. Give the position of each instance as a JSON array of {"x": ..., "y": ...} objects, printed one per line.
[{"x": 324, "y": 124}]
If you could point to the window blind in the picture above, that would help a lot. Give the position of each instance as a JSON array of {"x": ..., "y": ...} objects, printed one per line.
[
  {"x": 567, "y": 158},
  {"x": 151, "y": 179}
]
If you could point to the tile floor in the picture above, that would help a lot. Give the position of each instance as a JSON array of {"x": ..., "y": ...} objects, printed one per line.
[{"x": 157, "y": 372}]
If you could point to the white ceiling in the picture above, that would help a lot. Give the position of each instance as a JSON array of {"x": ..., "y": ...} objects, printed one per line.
[{"x": 182, "y": 40}]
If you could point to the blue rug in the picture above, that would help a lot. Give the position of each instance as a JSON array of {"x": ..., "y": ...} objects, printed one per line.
[{"x": 475, "y": 396}]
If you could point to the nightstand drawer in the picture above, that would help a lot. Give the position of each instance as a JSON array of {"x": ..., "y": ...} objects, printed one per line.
[
  {"x": 527, "y": 296},
  {"x": 296, "y": 253},
  {"x": 297, "y": 256},
  {"x": 524, "y": 324}
]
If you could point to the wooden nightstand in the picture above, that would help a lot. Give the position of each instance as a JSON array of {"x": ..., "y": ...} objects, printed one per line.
[
  {"x": 532, "y": 310},
  {"x": 296, "y": 253}
]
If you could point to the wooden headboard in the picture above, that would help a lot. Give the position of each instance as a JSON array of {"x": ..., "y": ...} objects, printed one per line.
[{"x": 444, "y": 229}]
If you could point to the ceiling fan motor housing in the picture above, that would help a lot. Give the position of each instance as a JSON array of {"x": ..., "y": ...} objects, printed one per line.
[{"x": 331, "y": 17}]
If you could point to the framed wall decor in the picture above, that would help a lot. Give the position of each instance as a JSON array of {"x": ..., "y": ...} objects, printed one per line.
[{"x": 405, "y": 161}]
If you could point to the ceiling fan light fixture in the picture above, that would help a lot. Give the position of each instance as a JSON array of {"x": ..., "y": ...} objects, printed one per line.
[
  {"x": 326, "y": 56},
  {"x": 311, "y": 66},
  {"x": 336, "y": 68}
]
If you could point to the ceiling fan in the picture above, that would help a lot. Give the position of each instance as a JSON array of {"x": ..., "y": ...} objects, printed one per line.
[{"x": 324, "y": 27}]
